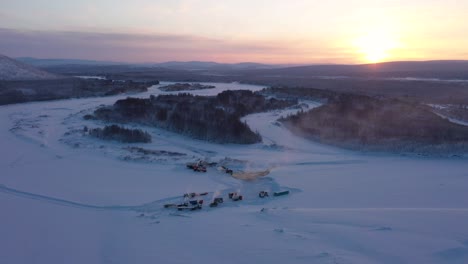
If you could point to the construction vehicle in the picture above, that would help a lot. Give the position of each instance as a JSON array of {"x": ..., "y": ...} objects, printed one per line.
[
  {"x": 197, "y": 167},
  {"x": 235, "y": 196},
  {"x": 192, "y": 195},
  {"x": 216, "y": 201},
  {"x": 226, "y": 170},
  {"x": 191, "y": 205},
  {"x": 281, "y": 193}
]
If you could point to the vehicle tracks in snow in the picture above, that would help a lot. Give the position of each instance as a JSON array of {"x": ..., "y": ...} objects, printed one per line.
[
  {"x": 155, "y": 208},
  {"x": 63, "y": 202}
]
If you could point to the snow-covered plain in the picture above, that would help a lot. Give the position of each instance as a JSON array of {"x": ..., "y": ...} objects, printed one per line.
[{"x": 68, "y": 198}]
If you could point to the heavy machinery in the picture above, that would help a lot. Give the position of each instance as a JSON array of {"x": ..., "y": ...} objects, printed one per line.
[
  {"x": 235, "y": 196},
  {"x": 191, "y": 205},
  {"x": 216, "y": 201},
  {"x": 281, "y": 193},
  {"x": 197, "y": 167}
]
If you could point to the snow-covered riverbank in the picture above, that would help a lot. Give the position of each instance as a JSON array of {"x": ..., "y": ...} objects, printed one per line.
[{"x": 72, "y": 199}]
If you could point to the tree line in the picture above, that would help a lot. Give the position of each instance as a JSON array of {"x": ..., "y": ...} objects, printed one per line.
[
  {"x": 362, "y": 121},
  {"x": 211, "y": 118},
  {"x": 121, "y": 134}
]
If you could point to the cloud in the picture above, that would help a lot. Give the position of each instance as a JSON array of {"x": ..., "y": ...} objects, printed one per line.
[
  {"x": 120, "y": 46},
  {"x": 134, "y": 47}
]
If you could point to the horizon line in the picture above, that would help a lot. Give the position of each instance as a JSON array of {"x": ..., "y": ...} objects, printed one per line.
[{"x": 235, "y": 63}]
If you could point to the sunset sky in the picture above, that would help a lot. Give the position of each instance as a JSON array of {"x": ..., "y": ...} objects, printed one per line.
[{"x": 268, "y": 31}]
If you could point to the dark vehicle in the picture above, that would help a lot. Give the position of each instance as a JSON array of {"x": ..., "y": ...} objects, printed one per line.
[
  {"x": 281, "y": 193},
  {"x": 192, "y": 195},
  {"x": 191, "y": 205},
  {"x": 196, "y": 167},
  {"x": 227, "y": 170},
  {"x": 235, "y": 196},
  {"x": 216, "y": 201}
]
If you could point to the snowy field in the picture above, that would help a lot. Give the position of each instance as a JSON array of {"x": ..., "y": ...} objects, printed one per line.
[{"x": 69, "y": 198}]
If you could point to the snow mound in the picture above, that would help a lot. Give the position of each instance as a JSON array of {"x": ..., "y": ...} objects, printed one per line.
[{"x": 13, "y": 70}]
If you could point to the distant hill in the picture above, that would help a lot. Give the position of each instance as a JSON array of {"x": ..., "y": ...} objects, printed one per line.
[
  {"x": 265, "y": 74},
  {"x": 213, "y": 66},
  {"x": 439, "y": 68},
  {"x": 427, "y": 69},
  {"x": 59, "y": 62},
  {"x": 13, "y": 70},
  {"x": 437, "y": 65},
  {"x": 172, "y": 65}
]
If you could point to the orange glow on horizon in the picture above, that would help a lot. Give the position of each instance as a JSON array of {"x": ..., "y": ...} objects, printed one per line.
[{"x": 376, "y": 45}]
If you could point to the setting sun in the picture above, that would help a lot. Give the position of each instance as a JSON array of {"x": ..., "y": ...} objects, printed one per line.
[{"x": 376, "y": 46}]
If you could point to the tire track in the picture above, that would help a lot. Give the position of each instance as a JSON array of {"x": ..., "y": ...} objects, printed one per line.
[{"x": 67, "y": 203}]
